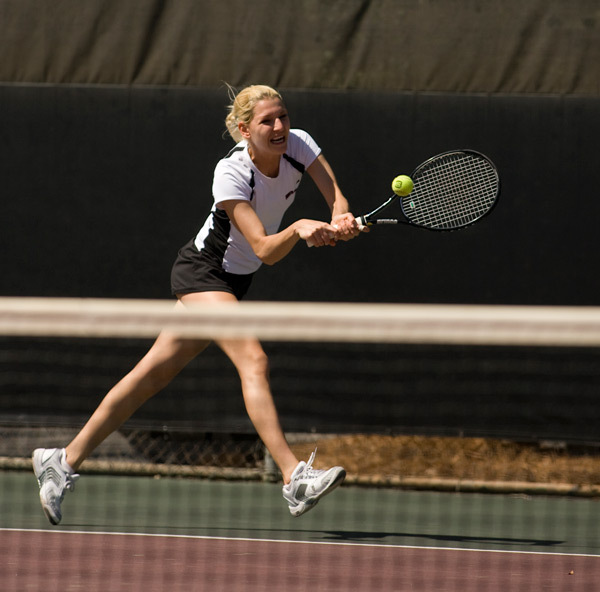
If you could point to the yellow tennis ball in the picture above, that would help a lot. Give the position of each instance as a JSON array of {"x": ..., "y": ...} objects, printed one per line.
[{"x": 402, "y": 185}]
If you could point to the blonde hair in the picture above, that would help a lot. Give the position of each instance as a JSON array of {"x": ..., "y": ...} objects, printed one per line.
[{"x": 241, "y": 109}]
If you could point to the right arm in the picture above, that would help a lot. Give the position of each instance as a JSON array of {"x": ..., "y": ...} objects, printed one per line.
[{"x": 270, "y": 248}]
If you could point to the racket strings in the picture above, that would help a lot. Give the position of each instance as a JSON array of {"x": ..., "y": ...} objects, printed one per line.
[
  {"x": 448, "y": 199},
  {"x": 452, "y": 191}
]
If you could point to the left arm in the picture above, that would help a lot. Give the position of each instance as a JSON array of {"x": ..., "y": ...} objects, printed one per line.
[{"x": 324, "y": 178}]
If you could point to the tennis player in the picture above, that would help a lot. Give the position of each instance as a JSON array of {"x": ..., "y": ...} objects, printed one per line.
[{"x": 252, "y": 188}]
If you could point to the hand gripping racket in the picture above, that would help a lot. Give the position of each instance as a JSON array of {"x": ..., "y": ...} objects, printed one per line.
[{"x": 451, "y": 190}]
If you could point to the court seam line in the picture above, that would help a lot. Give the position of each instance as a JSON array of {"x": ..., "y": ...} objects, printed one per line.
[{"x": 333, "y": 543}]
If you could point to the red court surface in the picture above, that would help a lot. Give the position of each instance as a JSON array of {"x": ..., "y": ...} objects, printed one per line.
[{"x": 64, "y": 561}]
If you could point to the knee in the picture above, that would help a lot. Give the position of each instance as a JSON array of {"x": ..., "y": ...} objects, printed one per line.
[{"x": 253, "y": 362}]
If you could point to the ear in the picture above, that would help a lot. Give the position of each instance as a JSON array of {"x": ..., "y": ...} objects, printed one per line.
[{"x": 244, "y": 131}]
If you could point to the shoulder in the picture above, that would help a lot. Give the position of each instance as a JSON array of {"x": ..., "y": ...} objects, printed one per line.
[
  {"x": 300, "y": 136},
  {"x": 236, "y": 164},
  {"x": 233, "y": 177},
  {"x": 236, "y": 158},
  {"x": 302, "y": 146}
]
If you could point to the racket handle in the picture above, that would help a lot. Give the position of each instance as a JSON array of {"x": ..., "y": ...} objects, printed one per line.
[{"x": 362, "y": 222}]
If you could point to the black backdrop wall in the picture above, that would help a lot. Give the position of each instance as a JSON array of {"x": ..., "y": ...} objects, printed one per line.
[{"x": 102, "y": 185}]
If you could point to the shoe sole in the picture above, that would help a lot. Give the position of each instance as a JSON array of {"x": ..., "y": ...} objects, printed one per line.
[
  {"x": 49, "y": 515},
  {"x": 37, "y": 469},
  {"x": 304, "y": 507}
]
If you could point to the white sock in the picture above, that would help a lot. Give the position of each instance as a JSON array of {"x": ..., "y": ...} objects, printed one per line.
[{"x": 64, "y": 464}]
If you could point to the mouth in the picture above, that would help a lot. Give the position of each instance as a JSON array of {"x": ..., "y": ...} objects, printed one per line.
[{"x": 278, "y": 140}]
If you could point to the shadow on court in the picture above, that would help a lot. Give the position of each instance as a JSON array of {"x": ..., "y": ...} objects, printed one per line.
[
  {"x": 355, "y": 536},
  {"x": 347, "y": 536}
]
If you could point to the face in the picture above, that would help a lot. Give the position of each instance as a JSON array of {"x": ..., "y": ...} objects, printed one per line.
[{"x": 268, "y": 131}]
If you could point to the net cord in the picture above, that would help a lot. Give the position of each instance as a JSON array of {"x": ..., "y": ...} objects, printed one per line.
[{"x": 309, "y": 322}]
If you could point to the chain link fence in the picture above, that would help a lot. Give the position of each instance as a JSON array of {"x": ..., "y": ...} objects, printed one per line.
[{"x": 143, "y": 451}]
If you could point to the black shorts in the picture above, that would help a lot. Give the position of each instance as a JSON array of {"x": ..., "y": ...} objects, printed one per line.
[{"x": 194, "y": 271}]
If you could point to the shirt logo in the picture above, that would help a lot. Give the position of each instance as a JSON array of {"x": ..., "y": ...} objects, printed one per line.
[{"x": 290, "y": 193}]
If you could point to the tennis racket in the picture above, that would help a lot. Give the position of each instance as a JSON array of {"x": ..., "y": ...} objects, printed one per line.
[{"x": 451, "y": 190}]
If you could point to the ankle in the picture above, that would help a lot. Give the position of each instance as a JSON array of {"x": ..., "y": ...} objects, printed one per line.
[{"x": 69, "y": 462}]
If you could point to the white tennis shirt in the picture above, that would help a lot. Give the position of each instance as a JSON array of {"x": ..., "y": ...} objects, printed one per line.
[{"x": 236, "y": 178}]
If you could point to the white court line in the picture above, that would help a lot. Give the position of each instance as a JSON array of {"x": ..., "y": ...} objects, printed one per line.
[{"x": 285, "y": 541}]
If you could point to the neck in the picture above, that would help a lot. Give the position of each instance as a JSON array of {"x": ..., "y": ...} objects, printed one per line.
[{"x": 268, "y": 166}]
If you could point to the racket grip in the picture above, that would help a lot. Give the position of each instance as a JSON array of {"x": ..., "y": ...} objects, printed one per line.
[{"x": 362, "y": 222}]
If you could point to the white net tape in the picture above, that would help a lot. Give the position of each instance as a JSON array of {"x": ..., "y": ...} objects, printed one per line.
[{"x": 290, "y": 321}]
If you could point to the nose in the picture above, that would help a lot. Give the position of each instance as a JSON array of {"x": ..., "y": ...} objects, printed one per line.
[{"x": 278, "y": 125}]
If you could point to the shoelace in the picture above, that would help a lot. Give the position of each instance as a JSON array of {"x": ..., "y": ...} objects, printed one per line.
[
  {"x": 308, "y": 470},
  {"x": 70, "y": 479}
]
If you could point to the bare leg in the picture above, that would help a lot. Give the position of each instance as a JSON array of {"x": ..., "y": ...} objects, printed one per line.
[
  {"x": 165, "y": 359},
  {"x": 252, "y": 365}
]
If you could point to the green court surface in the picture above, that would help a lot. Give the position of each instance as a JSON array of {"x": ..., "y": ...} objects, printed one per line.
[{"x": 353, "y": 515}]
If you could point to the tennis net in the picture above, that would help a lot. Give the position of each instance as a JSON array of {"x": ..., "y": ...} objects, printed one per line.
[{"x": 462, "y": 429}]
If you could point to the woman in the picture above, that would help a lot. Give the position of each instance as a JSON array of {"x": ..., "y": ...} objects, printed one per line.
[{"x": 252, "y": 187}]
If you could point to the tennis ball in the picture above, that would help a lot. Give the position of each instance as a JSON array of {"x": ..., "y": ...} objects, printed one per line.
[{"x": 402, "y": 185}]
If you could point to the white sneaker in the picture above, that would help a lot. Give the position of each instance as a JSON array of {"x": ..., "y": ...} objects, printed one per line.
[
  {"x": 54, "y": 478},
  {"x": 309, "y": 485}
]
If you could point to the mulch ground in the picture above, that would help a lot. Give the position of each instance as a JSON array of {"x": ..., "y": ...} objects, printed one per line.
[{"x": 454, "y": 458}]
